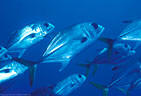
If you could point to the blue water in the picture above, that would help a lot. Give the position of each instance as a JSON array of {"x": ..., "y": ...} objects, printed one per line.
[{"x": 110, "y": 13}]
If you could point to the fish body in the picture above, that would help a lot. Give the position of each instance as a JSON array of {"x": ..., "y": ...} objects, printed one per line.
[
  {"x": 66, "y": 86},
  {"x": 29, "y": 35},
  {"x": 71, "y": 41}
]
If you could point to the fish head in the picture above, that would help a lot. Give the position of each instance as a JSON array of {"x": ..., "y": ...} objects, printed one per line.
[
  {"x": 89, "y": 31},
  {"x": 37, "y": 31},
  {"x": 123, "y": 49},
  {"x": 29, "y": 35},
  {"x": 78, "y": 79}
]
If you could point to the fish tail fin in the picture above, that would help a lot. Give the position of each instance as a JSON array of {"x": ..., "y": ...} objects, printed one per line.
[
  {"x": 31, "y": 67},
  {"x": 32, "y": 71},
  {"x": 110, "y": 43},
  {"x": 101, "y": 87},
  {"x": 87, "y": 66},
  {"x": 2, "y": 51}
]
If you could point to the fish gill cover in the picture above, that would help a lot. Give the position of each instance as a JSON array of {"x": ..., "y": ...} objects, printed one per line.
[{"x": 70, "y": 48}]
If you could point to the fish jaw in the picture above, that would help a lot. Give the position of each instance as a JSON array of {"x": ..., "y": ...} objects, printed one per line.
[{"x": 32, "y": 34}]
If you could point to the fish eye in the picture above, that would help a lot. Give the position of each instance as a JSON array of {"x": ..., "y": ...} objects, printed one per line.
[
  {"x": 79, "y": 76},
  {"x": 32, "y": 35},
  {"x": 46, "y": 24},
  {"x": 95, "y": 25},
  {"x": 84, "y": 39}
]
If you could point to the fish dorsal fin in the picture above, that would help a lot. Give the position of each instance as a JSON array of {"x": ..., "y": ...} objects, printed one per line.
[{"x": 32, "y": 68}]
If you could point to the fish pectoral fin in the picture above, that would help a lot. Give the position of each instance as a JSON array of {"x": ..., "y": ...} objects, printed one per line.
[
  {"x": 32, "y": 70},
  {"x": 101, "y": 87}
]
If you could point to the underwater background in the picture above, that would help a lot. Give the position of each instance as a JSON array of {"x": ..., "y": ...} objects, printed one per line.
[{"x": 14, "y": 14}]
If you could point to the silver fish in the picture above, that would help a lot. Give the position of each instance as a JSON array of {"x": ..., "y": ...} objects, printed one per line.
[
  {"x": 71, "y": 41},
  {"x": 26, "y": 37},
  {"x": 65, "y": 87}
]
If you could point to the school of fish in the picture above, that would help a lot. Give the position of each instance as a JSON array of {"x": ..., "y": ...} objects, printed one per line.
[{"x": 64, "y": 46}]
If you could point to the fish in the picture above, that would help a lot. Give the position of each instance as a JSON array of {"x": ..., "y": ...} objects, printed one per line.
[
  {"x": 71, "y": 41},
  {"x": 24, "y": 38},
  {"x": 62, "y": 88},
  {"x": 121, "y": 78},
  {"x": 121, "y": 53}
]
